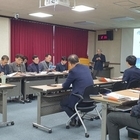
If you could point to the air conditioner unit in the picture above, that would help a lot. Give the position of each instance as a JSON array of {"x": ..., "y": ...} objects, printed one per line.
[{"x": 57, "y": 2}]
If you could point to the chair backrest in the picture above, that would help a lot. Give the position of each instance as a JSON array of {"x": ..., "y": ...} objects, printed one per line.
[
  {"x": 134, "y": 84},
  {"x": 119, "y": 86},
  {"x": 91, "y": 90}
]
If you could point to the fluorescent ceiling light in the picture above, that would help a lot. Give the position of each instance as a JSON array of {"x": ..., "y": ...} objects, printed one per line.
[
  {"x": 82, "y": 8},
  {"x": 39, "y": 14},
  {"x": 122, "y": 19}
]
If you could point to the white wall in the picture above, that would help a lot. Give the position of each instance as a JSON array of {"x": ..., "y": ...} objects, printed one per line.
[
  {"x": 112, "y": 50},
  {"x": 126, "y": 46},
  {"x": 4, "y": 36},
  {"x": 91, "y": 44}
]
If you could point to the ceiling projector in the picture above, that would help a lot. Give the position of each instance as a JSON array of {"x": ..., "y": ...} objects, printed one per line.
[{"x": 57, "y": 2}]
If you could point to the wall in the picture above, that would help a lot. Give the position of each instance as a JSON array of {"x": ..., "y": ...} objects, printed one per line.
[
  {"x": 126, "y": 46},
  {"x": 112, "y": 50},
  {"x": 4, "y": 36},
  {"x": 91, "y": 45}
]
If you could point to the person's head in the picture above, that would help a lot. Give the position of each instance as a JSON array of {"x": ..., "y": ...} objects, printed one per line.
[
  {"x": 25, "y": 59},
  {"x": 35, "y": 59},
  {"x": 63, "y": 60},
  {"x": 19, "y": 59},
  {"x": 131, "y": 60},
  {"x": 73, "y": 60},
  {"x": 48, "y": 58},
  {"x": 4, "y": 60},
  {"x": 99, "y": 51}
]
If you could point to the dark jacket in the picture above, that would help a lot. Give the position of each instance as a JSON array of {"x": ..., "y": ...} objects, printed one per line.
[
  {"x": 5, "y": 69},
  {"x": 131, "y": 74},
  {"x": 98, "y": 64},
  {"x": 33, "y": 68},
  {"x": 60, "y": 67},
  {"x": 135, "y": 111},
  {"x": 80, "y": 78}
]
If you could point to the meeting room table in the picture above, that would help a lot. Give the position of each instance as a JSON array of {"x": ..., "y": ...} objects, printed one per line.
[{"x": 132, "y": 94}]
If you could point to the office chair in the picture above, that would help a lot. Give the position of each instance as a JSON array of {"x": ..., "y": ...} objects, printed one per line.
[
  {"x": 134, "y": 84},
  {"x": 84, "y": 105},
  {"x": 135, "y": 131},
  {"x": 121, "y": 85}
]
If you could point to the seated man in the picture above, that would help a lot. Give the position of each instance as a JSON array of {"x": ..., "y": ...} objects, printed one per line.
[
  {"x": 117, "y": 120},
  {"x": 17, "y": 65},
  {"x": 34, "y": 67},
  {"x": 25, "y": 60},
  {"x": 46, "y": 64},
  {"x": 132, "y": 73},
  {"x": 62, "y": 65},
  {"x": 80, "y": 78},
  {"x": 4, "y": 67}
]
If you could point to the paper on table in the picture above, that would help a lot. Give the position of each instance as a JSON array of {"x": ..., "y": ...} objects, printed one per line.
[
  {"x": 12, "y": 74},
  {"x": 121, "y": 97},
  {"x": 135, "y": 91},
  {"x": 43, "y": 72}
]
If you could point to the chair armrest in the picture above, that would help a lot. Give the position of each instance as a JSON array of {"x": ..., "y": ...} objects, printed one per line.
[{"x": 107, "y": 89}]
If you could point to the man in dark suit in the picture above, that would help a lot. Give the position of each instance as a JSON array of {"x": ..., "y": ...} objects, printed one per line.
[
  {"x": 132, "y": 73},
  {"x": 98, "y": 60},
  {"x": 62, "y": 65},
  {"x": 79, "y": 77},
  {"x": 34, "y": 67},
  {"x": 25, "y": 61},
  {"x": 4, "y": 67}
]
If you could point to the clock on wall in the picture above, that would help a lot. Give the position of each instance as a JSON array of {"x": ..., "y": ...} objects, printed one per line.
[{"x": 102, "y": 37}]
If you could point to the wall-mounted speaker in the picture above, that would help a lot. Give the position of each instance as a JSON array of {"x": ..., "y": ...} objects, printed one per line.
[{"x": 110, "y": 34}]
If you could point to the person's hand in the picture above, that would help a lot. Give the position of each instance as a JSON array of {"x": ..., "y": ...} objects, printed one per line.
[
  {"x": 99, "y": 58},
  {"x": 66, "y": 71},
  {"x": 2, "y": 73}
]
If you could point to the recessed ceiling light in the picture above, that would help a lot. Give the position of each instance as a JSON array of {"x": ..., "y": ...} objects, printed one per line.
[
  {"x": 39, "y": 14},
  {"x": 82, "y": 8}
]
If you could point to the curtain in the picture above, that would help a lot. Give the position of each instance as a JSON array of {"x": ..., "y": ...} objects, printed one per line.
[
  {"x": 31, "y": 38},
  {"x": 70, "y": 41}
]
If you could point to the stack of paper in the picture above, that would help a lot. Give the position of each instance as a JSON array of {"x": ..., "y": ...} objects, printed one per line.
[{"x": 121, "y": 97}]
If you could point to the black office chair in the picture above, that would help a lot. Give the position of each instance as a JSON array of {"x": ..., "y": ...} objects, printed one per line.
[
  {"x": 84, "y": 105},
  {"x": 121, "y": 85},
  {"x": 135, "y": 131},
  {"x": 134, "y": 84}
]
